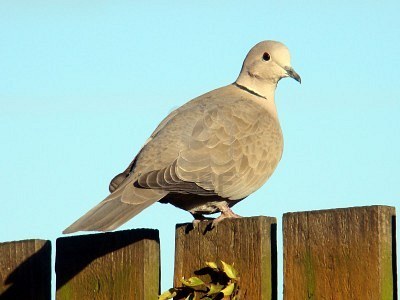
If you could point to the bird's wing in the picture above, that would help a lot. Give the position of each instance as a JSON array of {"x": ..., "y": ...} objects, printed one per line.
[
  {"x": 229, "y": 149},
  {"x": 121, "y": 177}
]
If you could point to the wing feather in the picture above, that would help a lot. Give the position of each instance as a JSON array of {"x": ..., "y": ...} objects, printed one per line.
[{"x": 229, "y": 150}]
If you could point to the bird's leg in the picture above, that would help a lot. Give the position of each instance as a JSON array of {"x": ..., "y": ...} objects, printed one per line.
[{"x": 226, "y": 212}]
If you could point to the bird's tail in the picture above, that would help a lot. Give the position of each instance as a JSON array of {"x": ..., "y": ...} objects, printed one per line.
[{"x": 114, "y": 211}]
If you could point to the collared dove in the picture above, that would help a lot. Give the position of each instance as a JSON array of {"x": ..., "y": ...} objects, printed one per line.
[{"x": 208, "y": 154}]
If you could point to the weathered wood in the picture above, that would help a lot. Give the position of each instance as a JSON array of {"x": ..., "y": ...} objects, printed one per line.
[
  {"x": 117, "y": 265},
  {"x": 249, "y": 243},
  {"x": 344, "y": 253},
  {"x": 25, "y": 270}
]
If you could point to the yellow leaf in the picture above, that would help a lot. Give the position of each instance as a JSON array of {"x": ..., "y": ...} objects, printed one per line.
[
  {"x": 215, "y": 289},
  {"x": 229, "y": 289},
  {"x": 192, "y": 281},
  {"x": 169, "y": 294},
  {"x": 229, "y": 270},
  {"x": 211, "y": 264}
]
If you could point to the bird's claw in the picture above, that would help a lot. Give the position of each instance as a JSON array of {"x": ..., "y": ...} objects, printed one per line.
[{"x": 226, "y": 214}]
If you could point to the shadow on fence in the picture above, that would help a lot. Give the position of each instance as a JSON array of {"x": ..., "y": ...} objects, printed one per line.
[{"x": 25, "y": 270}]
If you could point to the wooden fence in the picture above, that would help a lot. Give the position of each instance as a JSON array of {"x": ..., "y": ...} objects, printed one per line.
[{"x": 347, "y": 253}]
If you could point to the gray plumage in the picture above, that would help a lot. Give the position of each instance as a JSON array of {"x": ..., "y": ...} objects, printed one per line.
[{"x": 208, "y": 154}]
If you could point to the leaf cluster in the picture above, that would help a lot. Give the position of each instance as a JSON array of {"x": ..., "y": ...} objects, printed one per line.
[{"x": 223, "y": 285}]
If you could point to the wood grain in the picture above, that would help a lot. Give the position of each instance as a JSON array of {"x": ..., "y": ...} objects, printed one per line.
[
  {"x": 25, "y": 270},
  {"x": 117, "y": 265},
  {"x": 340, "y": 254},
  {"x": 249, "y": 243}
]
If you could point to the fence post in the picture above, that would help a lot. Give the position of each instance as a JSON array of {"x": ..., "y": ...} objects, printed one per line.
[
  {"x": 116, "y": 265},
  {"x": 347, "y": 253},
  {"x": 249, "y": 243},
  {"x": 25, "y": 270}
]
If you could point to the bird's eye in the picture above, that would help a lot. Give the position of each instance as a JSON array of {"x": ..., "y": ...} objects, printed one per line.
[{"x": 266, "y": 56}]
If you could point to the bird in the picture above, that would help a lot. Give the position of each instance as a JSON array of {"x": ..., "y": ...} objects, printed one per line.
[{"x": 208, "y": 154}]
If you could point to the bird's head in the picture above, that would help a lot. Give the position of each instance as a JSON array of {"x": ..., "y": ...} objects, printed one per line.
[{"x": 265, "y": 64}]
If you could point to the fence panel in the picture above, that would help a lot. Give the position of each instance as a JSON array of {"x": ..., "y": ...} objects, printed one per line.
[
  {"x": 117, "y": 265},
  {"x": 347, "y": 253},
  {"x": 249, "y": 243},
  {"x": 25, "y": 270}
]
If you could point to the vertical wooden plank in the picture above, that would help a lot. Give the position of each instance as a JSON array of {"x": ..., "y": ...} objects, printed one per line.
[
  {"x": 249, "y": 243},
  {"x": 116, "y": 265},
  {"x": 344, "y": 253},
  {"x": 25, "y": 270}
]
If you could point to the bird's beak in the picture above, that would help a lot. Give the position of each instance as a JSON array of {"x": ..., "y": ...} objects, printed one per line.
[{"x": 292, "y": 73}]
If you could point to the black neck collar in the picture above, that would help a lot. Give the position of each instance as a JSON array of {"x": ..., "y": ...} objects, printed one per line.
[{"x": 248, "y": 90}]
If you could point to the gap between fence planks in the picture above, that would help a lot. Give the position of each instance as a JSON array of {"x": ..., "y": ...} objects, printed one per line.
[
  {"x": 249, "y": 243},
  {"x": 347, "y": 253},
  {"x": 117, "y": 265},
  {"x": 25, "y": 270}
]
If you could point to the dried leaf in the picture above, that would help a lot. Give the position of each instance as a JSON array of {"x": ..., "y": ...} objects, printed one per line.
[
  {"x": 229, "y": 270},
  {"x": 192, "y": 281},
  {"x": 229, "y": 289},
  {"x": 169, "y": 294},
  {"x": 211, "y": 264},
  {"x": 215, "y": 289}
]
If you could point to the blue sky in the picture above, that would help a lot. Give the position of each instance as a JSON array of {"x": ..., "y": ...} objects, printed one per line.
[{"x": 84, "y": 83}]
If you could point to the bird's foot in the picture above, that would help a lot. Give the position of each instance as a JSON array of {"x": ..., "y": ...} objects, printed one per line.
[{"x": 226, "y": 212}]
